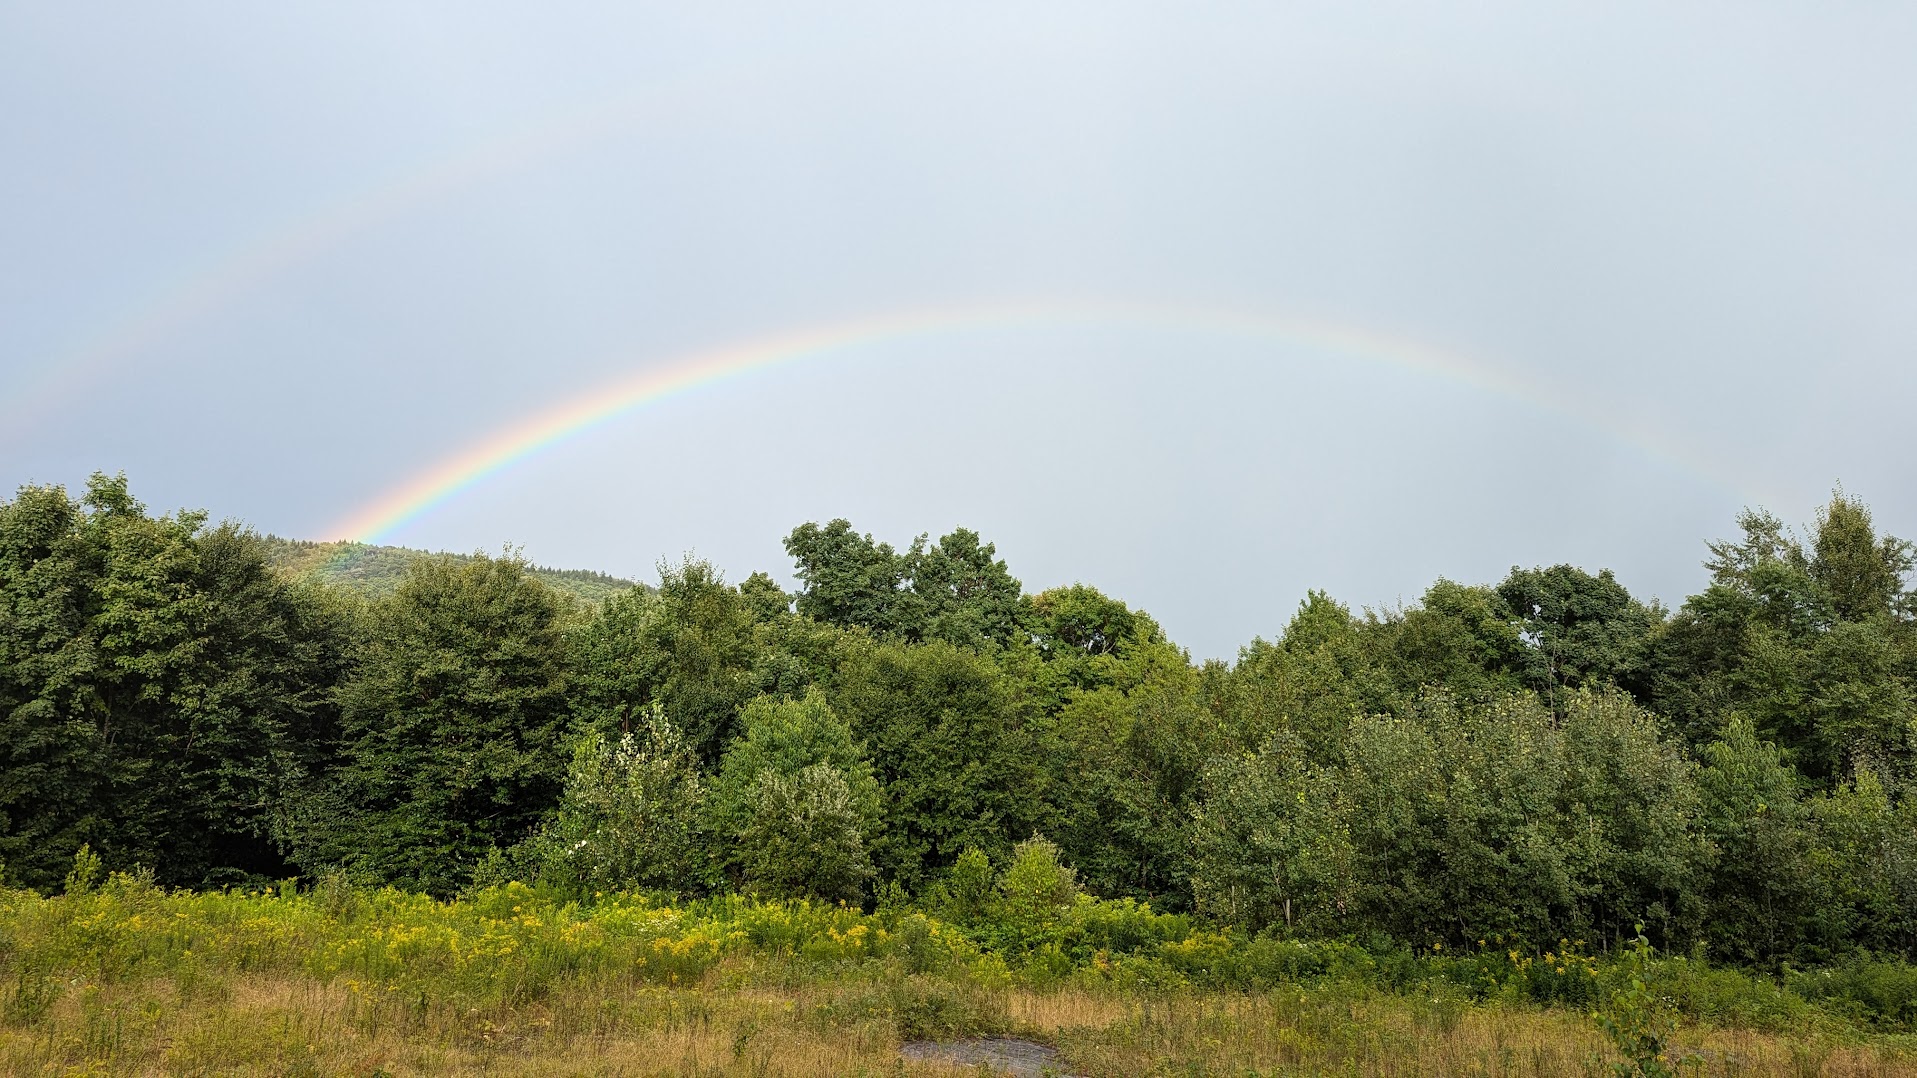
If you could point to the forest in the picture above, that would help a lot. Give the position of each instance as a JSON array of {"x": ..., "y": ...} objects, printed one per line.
[{"x": 1544, "y": 771}]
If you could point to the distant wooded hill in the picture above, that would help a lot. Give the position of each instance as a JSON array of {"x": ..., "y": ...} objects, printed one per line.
[{"x": 377, "y": 570}]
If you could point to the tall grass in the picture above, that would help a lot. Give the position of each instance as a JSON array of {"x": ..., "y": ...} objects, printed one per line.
[{"x": 127, "y": 978}]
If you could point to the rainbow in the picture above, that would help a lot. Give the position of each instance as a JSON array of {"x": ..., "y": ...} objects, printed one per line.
[
  {"x": 221, "y": 281},
  {"x": 376, "y": 521}
]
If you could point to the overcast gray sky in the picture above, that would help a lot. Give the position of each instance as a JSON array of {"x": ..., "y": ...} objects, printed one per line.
[{"x": 274, "y": 262}]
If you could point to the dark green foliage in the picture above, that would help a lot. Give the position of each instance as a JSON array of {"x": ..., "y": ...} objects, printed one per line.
[
  {"x": 1584, "y": 631},
  {"x": 795, "y": 805},
  {"x": 1080, "y": 621},
  {"x": 960, "y": 592},
  {"x": 1758, "y": 888},
  {"x": 1864, "y": 865},
  {"x": 765, "y": 599},
  {"x": 1464, "y": 638},
  {"x": 1812, "y": 642},
  {"x": 1878, "y": 993},
  {"x": 1861, "y": 573},
  {"x": 58, "y": 759},
  {"x": 1457, "y": 823},
  {"x": 848, "y": 578},
  {"x": 687, "y": 646},
  {"x": 955, "y": 590},
  {"x": 1321, "y": 674},
  {"x": 1072, "y": 635},
  {"x": 1548, "y": 758},
  {"x": 455, "y": 724},
  {"x": 1271, "y": 842},
  {"x": 950, "y": 744},
  {"x": 1128, "y": 756},
  {"x": 163, "y": 694}
]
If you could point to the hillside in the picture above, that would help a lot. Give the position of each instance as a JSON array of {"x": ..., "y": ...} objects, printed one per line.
[{"x": 377, "y": 570}]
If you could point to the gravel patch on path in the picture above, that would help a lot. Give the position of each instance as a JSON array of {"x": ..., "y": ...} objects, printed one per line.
[{"x": 1022, "y": 1059}]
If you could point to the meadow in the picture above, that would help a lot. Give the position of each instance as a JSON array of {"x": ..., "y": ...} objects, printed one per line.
[{"x": 124, "y": 977}]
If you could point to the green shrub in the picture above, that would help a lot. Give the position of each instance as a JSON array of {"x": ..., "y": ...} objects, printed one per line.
[
  {"x": 1036, "y": 888},
  {"x": 628, "y": 818},
  {"x": 1874, "y": 992},
  {"x": 967, "y": 890},
  {"x": 795, "y": 805},
  {"x": 804, "y": 838}
]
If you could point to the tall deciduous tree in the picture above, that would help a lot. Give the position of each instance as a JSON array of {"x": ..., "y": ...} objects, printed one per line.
[
  {"x": 687, "y": 646},
  {"x": 957, "y": 590},
  {"x": 1813, "y": 642},
  {"x": 1584, "y": 631},
  {"x": 1126, "y": 760},
  {"x": 1464, "y": 638},
  {"x": 782, "y": 738},
  {"x": 164, "y": 695},
  {"x": 951, "y": 746},
  {"x": 455, "y": 726}
]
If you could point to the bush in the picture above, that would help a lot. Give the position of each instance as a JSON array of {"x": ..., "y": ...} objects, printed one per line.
[
  {"x": 804, "y": 839},
  {"x": 1876, "y": 993},
  {"x": 794, "y": 805},
  {"x": 1036, "y": 887},
  {"x": 628, "y": 818}
]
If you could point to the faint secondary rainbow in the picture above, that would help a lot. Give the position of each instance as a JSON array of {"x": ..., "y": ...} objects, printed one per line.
[
  {"x": 193, "y": 294},
  {"x": 376, "y": 520}
]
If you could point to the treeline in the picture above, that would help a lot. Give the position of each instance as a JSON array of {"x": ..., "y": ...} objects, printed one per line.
[
  {"x": 1544, "y": 758},
  {"x": 378, "y": 571}
]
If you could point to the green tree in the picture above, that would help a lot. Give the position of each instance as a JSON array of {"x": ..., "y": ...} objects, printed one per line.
[
  {"x": 630, "y": 817},
  {"x": 848, "y": 578},
  {"x": 1079, "y": 623},
  {"x": 688, "y": 646},
  {"x": 1584, "y": 631},
  {"x": 956, "y": 590},
  {"x": 1812, "y": 642},
  {"x": 1126, "y": 760},
  {"x": 1320, "y": 675},
  {"x": 1456, "y": 822},
  {"x": 1463, "y": 638},
  {"x": 1270, "y": 842},
  {"x": 961, "y": 592},
  {"x": 1863, "y": 574},
  {"x": 950, "y": 743},
  {"x": 1757, "y": 885},
  {"x": 1071, "y": 636},
  {"x": 455, "y": 723},
  {"x": 164, "y": 695},
  {"x": 1037, "y": 887},
  {"x": 1864, "y": 863},
  {"x": 805, "y": 837},
  {"x": 763, "y": 597},
  {"x": 55, "y": 734},
  {"x": 784, "y": 737}
]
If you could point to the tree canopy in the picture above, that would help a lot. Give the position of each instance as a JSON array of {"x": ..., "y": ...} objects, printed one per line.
[{"x": 1547, "y": 755}]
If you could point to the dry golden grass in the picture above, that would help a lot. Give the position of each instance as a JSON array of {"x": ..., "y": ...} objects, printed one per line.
[
  {"x": 1289, "y": 1032},
  {"x": 292, "y": 1025}
]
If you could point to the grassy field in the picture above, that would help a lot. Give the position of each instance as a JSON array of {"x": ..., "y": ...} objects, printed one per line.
[{"x": 127, "y": 979}]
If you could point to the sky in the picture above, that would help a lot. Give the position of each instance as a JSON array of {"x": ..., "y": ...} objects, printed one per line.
[{"x": 1338, "y": 296}]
